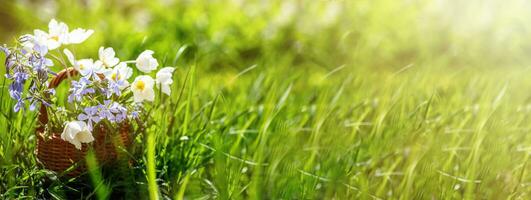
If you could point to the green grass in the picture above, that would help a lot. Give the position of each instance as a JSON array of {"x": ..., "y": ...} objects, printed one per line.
[{"x": 374, "y": 105}]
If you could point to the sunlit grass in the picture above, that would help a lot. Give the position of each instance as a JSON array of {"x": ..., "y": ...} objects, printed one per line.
[{"x": 272, "y": 105}]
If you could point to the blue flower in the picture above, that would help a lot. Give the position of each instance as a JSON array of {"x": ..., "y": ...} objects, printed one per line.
[
  {"x": 105, "y": 112},
  {"x": 20, "y": 77},
  {"x": 19, "y": 105},
  {"x": 120, "y": 111},
  {"x": 16, "y": 88},
  {"x": 90, "y": 115},
  {"x": 40, "y": 63},
  {"x": 134, "y": 114},
  {"x": 35, "y": 99},
  {"x": 33, "y": 105},
  {"x": 34, "y": 102},
  {"x": 79, "y": 88},
  {"x": 22, "y": 66},
  {"x": 41, "y": 49},
  {"x": 51, "y": 91},
  {"x": 114, "y": 86},
  {"x": 112, "y": 111}
]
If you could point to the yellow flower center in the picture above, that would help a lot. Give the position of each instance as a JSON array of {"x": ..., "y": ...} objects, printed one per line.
[
  {"x": 114, "y": 77},
  {"x": 81, "y": 67},
  {"x": 55, "y": 37},
  {"x": 140, "y": 85}
]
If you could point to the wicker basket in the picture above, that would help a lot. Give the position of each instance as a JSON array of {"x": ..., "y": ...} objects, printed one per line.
[{"x": 58, "y": 155}]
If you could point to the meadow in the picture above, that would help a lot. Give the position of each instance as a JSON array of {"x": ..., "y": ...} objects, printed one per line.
[{"x": 294, "y": 99}]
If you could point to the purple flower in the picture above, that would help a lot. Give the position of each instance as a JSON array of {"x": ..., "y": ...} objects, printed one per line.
[
  {"x": 79, "y": 88},
  {"x": 22, "y": 67},
  {"x": 134, "y": 114},
  {"x": 120, "y": 111},
  {"x": 90, "y": 115},
  {"x": 20, "y": 102},
  {"x": 114, "y": 86},
  {"x": 16, "y": 95},
  {"x": 16, "y": 88},
  {"x": 51, "y": 91},
  {"x": 136, "y": 110},
  {"x": 41, "y": 49},
  {"x": 35, "y": 99},
  {"x": 33, "y": 105},
  {"x": 40, "y": 63},
  {"x": 112, "y": 111},
  {"x": 34, "y": 102},
  {"x": 20, "y": 77},
  {"x": 105, "y": 112},
  {"x": 19, "y": 105}
]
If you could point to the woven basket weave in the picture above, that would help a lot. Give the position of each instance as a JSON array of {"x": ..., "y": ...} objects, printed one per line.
[{"x": 58, "y": 155}]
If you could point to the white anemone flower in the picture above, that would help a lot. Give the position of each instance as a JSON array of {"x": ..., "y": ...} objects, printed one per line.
[
  {"x": 77, "y": 132},
  {"x": 164, "y": 79},
  {"x": 107, "y": 57},
  {"x": 145, "y": 62},
  {"x": 121, "y": 72},
  {"x": 142, "y": 88},
  {"x": 57, "y": 34},
  {"x": 86, "y": 67},
  {"x": 78, "y": 35}
]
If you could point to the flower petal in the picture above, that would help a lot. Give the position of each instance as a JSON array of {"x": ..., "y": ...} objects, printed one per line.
[
  {"x": 70, "y": 57},
  {"x": 79, "y": 35}
]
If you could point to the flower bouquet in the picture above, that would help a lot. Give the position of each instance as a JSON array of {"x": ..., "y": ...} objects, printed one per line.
[{"x": 103, "y": 109}]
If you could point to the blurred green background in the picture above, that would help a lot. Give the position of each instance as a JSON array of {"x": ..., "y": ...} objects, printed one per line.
[
  {"x": 381, "y": 34},
  {"x": 293, "y": 99}
]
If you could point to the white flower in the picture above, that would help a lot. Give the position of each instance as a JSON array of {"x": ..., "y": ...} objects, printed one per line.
[
  {"x": 142, "y": 88},
  {"x": 145, "y": 62},
  {"x": 121, "y": 72},
  {"x": 164, "y": 79},
  {"x": 57, "y": 34},
  {"x": 107, "y": 57},
  {"x": 86, "y": 67},
  {"x": 77, "y": 132},
  {"x": 78, "y": 36}
]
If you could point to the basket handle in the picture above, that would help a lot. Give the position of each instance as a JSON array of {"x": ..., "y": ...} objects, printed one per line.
[{"x": 60, "y": 77}]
